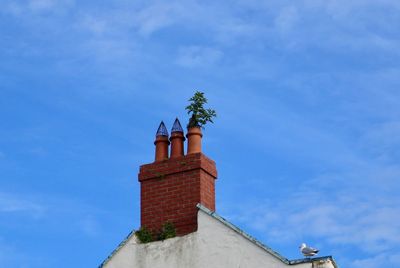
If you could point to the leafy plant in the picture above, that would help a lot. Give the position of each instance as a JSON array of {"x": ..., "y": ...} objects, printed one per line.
[
  {"x": 144, "y": 235},
  {"x": 167, "y": 231},
  {"x": 199, "y": 115}
]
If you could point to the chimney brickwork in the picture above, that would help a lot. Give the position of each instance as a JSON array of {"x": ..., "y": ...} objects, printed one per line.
[{"x": 171, "y": 189}]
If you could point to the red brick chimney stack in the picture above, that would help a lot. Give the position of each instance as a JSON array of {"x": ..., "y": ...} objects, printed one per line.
[
  {"x": 161, "y": 143},
  {"x": 170, "y": 188},
  {"x": 177, "y": 138}
]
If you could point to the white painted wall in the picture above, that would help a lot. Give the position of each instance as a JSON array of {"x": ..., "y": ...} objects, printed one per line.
[{"x": 214, "y": 245}]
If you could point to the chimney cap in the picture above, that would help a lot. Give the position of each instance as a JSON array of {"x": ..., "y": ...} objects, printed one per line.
[
  {"x": 162, "y": 130},
  {"x": 177, "y": 126}
]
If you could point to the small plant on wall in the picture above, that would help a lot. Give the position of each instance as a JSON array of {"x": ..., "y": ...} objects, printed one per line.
[
  {"x": 199, "y": 116},
  {"x": 167, "y": 231},
  {"x": 144, "y": 235}
]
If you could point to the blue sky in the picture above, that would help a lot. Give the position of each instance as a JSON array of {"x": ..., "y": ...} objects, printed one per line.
[{"x": 306, "y": 141}]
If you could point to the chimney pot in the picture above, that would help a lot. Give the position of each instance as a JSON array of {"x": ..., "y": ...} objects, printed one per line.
[
  {"x": 171, "y": 189},
  {"x": 194, "y": 136},
  {"x": 161, "y": 143},
  {"x": 177, "y": 138}
]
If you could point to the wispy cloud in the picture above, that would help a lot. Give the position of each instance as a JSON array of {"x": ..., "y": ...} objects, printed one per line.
[
  {"x": 389, "y": 260},
  {"x": 128, "y": 31},
  {"x": 40, "y": 5},
  {"x": 10, "y": 256},
  {"x": 11, "y": 203},
  {"x": 351, "y": 201},
  {"x": 50, "y": 208},
  {"x": 157, "y": 16},
  {"x": 90, "y": 226},
  {"x": 195, "y": 56},
  {"x": 318, "y": 79},
  {"x": 286, "y": 19},
  {"x": 37, "y": 7},
  {"x": 355, "y": 209}
]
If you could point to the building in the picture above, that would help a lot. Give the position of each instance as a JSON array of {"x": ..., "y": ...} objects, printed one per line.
[{"x": 180, "y": 189}]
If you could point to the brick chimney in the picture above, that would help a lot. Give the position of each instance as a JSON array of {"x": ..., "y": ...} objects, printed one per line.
[{"x": 171, "y": 188}]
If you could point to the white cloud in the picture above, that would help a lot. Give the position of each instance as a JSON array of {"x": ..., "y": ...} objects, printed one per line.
[
  {"x": 9, "y": 255},
  {"x": 11, "y": 203},
  {"x": 39, "y": 5},
  {"x": 155, "y": 17},
  {"x": 35, "y": 7},
  {"x": 362, "y": 213},
  {"x": 382, "y": 140},
  {"x": 353, "y": 202},
  {"x": 386, "y": 260},
  {"x": 128, "y": 29},
  {"x": 95, "y": 25},
  {"x": 286, "y": 19},
  {"x": 109, "y": 50},
  {"x": 196, "y": 56},
  {"x": 13, "y": 8},
  {"x": 89, "y": 225}
]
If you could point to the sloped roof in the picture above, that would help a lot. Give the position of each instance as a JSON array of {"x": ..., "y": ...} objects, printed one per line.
[
  {"x": 261, "y": 245},
  {"x": 242, "y": 233},
  {"x": 132, "y": 233}
]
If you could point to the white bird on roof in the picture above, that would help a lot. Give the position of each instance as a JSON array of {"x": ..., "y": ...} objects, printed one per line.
[{"x": 308, "y": 251}]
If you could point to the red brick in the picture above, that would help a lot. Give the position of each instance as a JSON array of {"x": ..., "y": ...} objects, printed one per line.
[{"x": 171, "y": 189}]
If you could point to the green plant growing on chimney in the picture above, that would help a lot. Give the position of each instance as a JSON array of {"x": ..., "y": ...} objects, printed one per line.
[
  {"x": 167, "y": 231},
  {"x": 144, "y": 235},
  {"x": 199, "y": 115}
]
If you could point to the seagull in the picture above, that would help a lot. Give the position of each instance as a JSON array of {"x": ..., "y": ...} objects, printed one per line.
[{"x": 308, "y": 251}]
